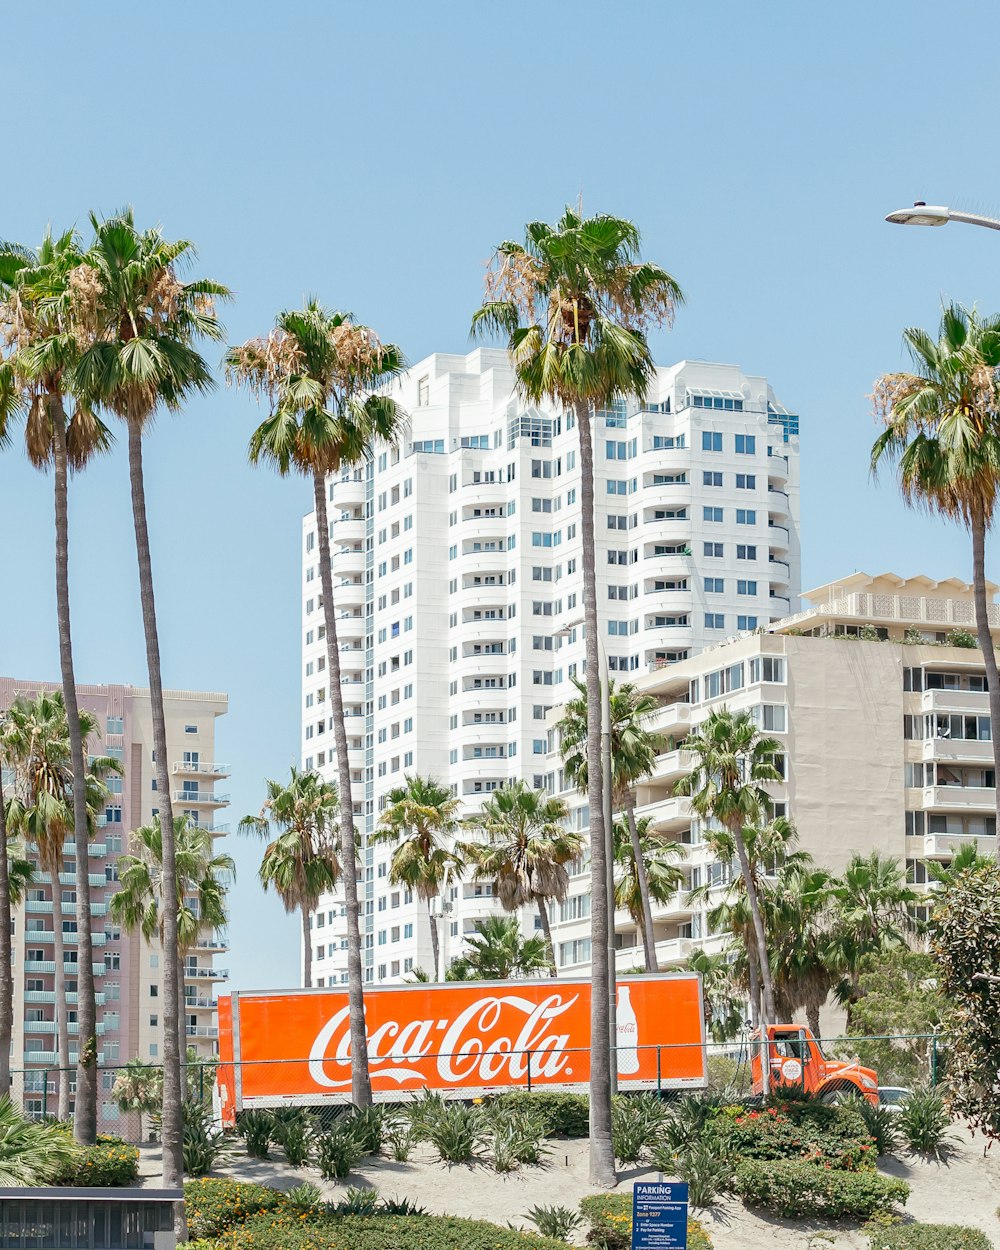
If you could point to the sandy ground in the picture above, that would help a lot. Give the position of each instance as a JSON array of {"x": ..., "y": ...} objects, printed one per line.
[{"x": 963, "y": 1190}]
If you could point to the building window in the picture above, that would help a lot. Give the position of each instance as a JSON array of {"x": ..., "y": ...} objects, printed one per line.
[
  {"x": 424, "y": 391},
  {"x": 710, "y": 440},
  {"x": 746, "y": 516},
  {"x": 744, "y": 623},
  {"x": 746, "y": 551},
  {"x": 715, "y": 620},
  {"x": 712, "y": 514},
  {"x": 745, "y": 587},
  {"x": 713, "y": 551},
  {"x": 746, "y": 481},
  {"x": 715, "y": 585},
  {"x": 711, "y": 479},
  {"x": 746, "y": 444}
]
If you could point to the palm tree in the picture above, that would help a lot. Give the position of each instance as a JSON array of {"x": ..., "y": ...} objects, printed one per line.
[
  {"x": 724, "y": 1004},
  {"x": 965, "y": 858},
  {"x": 301, "y": 863},
  {"x": 634, "y": 749},
  {"x": 138, "y": 1090},
  {"x": 652, "y": 875},
  {"x": 37, "y": 742},
  {"x": 874, "y": 916},
  {"x": 147, "y": 323},
  {"x": 575, "y": 302},
  {"x": 323, "y": 376},
  {"x": 201, "y": 877},
  {"x": 803, "y": 954},
  {"x": 38, "y": 377},
  {"x": 526, "y": 851},
  {"x": 420, "y": 817},
  {"x": 943, "y": 433},
  {"x": 6, "y": 940},
  {"x": 731, "y": 762},
  {"x": 499, "y": 952}
]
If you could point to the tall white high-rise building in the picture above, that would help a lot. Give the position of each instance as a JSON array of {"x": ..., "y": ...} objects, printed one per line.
[{"x": 458, "y": 587}]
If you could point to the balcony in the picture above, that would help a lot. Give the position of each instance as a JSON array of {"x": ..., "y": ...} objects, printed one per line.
[
  {"x": 199, "y": 798},
  {"x": 959, "y": 798},
  {"x": 201, "y": 1004},
  {"x": 945, "y": 845},
  {"x": 955, "y": 701},
  {"x": 957, "y": 750},
  {"x": 201, "y": 768},
  {"x": 50, "y": 1026},
  {"x": 206, "y": 974},
  {"x": 202, "y": 1030},
  {"x": 49, "y": 996},
  {"x": 667, "y": 815},
  {"x": 673, "y": 765},
  {"x": 672, "y": 718},
  {"x": 96, "y": 850}
]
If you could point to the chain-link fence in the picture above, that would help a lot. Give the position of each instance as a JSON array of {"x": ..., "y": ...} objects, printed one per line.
[{"x": 797, "y": 1063}]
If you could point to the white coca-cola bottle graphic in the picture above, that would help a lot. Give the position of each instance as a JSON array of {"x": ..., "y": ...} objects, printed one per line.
[{"x": 627, "y": 1034}]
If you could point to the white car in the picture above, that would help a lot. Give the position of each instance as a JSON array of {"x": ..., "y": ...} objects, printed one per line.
[{"x": 893, "y": 1096}]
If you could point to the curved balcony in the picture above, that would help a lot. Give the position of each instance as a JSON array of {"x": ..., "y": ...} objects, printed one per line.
[
  {"x": 492, "y": 596},
  {"x": 347, "y": 530},
  {"x": 484, "y": 633},
  {"x": 490, "y": 733},
  {"x": 485, "y": 563},
  {"x": 670, "y": 815},
  {"x": 663, "y": 568},
  {"x": 665, "y": 459},
  {"x": 777, "y": 537},
  {"x": 347, "y": 561},
  {"x": 484, "y": 495},
  {"x": 350, "y": 625},
  {"x": 485, "y": 528},
  {"x": 777, "y": 468},
  {"x": 666, "y": 495},
  {"x": 777, "y": 504},
  {"x": 485, "y": 700},
  {"x": 672, "y": 718}
]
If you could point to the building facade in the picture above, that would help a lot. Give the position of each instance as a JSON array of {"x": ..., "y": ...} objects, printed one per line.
[
  {"x": 456, "y": 562},
  {"x": 885, "y": 729},
  {"x": 128, "y": 970}
]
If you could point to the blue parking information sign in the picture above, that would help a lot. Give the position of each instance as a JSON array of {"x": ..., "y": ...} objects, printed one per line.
[{"x": 659, "y": 1215}]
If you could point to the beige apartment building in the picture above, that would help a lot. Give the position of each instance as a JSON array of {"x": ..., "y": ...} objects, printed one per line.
[
  {"x": 128, "y": 970},
  {"x": 886, "y": 735}
]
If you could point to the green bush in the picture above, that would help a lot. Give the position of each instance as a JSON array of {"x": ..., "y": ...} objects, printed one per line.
[
  {"x": 882, "y": 1124},
  {"x": 203, "y": 1144},
  {"x": 636, "y": 1123},
  {"x": 610, "y": 1220},
  {"x": 288, "y": 1231},
  {"x": 257, "y": 1130},
  {"x": 554, "y": 1221},
  {"x": 339, "y": 1150},
  {"x": 564, "y": 1115},
  {"x": 457, "y": 1132},
  {"x": 215, "y": 1205},
  {"x": 924, "y": 1122},
  {"x": 516, "y": 1135},
  {"x": 110, "y": 1162},
  {"x": 798, "y": 1130},
  {"x": 292, "y": 1130},
  {"x": 930, "y": 1237},
  {"x": 707, "y": 1171},
  {"x": 800, "y": 1189},
  {"x": 369, "y": 1125},
  {"x": 399, "y": 1136}
]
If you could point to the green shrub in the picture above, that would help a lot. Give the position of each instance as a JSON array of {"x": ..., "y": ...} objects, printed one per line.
[
  {"x": 690, "y": 1119},
  {"x": 292, "y": 1130},
  {"x": 357, "y": 1201},
  {"x": 924, "y": 1123},
  {"x": 369, "y": 1125},
  {"x": 798, "y": 1130},
  {"x": 110, "y": 1162},
  {"x": 962, "y": 638},
  {"x": 636, "y": 1123},
  {"x": 457, "y": 1132},
  {"x": 610, "y": 1220},
  {"x": 338, "y": 1150},
  {"x": 882, "y": 1124},
  {"x": 564, "y": 1115},
  {"x": 707, "y": 1171},
  {"x": 215, "y": 1205},
  {"x": 202, "y": 1143},
  {"x": 399, "y": 1136},
  {"x": 930, "y": 1237},
  {"x": 305, "y": 1197},
  {"x": 800, "y": 1189},
  {"x": 552, "y": 1221},
  {"x": 516, "y": 1135},
  {"x": 257, "y": 1130},
  {"x": 288, "y": 1231}
]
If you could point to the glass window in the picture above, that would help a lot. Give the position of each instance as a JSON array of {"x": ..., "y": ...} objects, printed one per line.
[
  {"x": 746, "y": 444},
  {"x": 712, "y": 514},
  {"x": 710, "y": 440}
]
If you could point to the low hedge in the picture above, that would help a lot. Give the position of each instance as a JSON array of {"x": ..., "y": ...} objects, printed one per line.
[
  {"x": 564, "y": 1115},
  {"x": 290, "y": 1230},
  {"x": 610, "y": 1220},
  {"x": 110, "y": 1162},
  {"x": 800, "y": 1189},
  {"x": 930, "y": 1237},
  {"x": 836, "y": 1136},
  {"x": 213, "y": 1206}
]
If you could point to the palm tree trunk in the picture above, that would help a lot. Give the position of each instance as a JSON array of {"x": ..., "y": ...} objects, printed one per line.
[
  {"x": 6, "y": 971},
  {"x": 986, "y": 646},
  {"x": 173, "y": 1090},
  {"x": 307, "y": 950},
  {"x": 61, "y": 1010},
  {"x": 543, "y": 916},
  {"x": 648, "y": 937},
  {"x": 754, "y": 976},
  {"x": 435, "y": 941},
  {"x": 767, "y": 988},
  {"x": 361, "y": 1086},
  {"x": 602, "y": 1155},
  {"x": 182, "y": 1041},
  {"x": 85, "y": 1115},
  {"x": 812, "y": 1018}
]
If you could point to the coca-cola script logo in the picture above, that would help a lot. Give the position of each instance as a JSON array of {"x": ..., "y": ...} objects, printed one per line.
[{"x": 479, "y": 1041}]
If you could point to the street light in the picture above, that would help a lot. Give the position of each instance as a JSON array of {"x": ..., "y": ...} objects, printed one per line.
[
  {"x": 922, "y": 214},
  {"x": 609, "y": 838}
]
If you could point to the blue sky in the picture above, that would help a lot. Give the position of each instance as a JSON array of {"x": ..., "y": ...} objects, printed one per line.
[{"x": 373, "y": 154}]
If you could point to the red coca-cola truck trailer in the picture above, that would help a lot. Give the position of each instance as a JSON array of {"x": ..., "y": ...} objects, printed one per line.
[{"x": 292, "y": 1047}]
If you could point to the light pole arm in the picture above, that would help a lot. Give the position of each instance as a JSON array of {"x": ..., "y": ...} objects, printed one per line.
[{"x": 974, "y": 219}]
